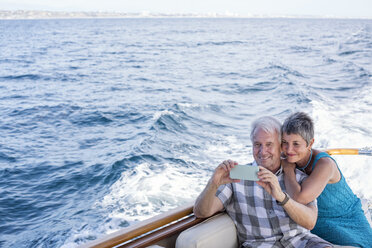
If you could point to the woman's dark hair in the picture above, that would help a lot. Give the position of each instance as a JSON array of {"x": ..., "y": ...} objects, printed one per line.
[{"x": 299, "y": 123}]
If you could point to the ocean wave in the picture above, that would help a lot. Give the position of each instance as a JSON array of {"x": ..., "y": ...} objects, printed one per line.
[
  {"x": 48, "y": 116},
  {"x": 151, "y": 190},
  {"x": 301, "y": 49},
  {"x": 32, "y": 77},
  {"x": 220, "y": 43},
  {"x": 6, "y": 158},
  {"x": 168, "y": 121},
  {"x": 13, "y": 61},
  {"x": 234, "y": 75},
  {"x": 158, "y": 115},
  {"x": 259, "y": 86},
  {"x": 91, "y": 118},
  {"x": 59, "y": 77},
  {"x": 129, "y": 162},
  {"x": 350, "y": 52},
  {"x": 285, "y": 70},
  {"x": 329, "y": 60}
]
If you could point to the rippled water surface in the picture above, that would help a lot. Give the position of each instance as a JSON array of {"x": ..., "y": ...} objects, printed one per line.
[{"x": 106, "y": 122}]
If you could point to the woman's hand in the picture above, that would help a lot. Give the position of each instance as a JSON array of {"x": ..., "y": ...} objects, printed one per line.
[
  {"x": 221, "y": 174},
  {"x": 288, "y": 167}
]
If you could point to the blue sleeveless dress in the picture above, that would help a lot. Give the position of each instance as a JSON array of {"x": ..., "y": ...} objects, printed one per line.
[{"x": 341, "y": 219}]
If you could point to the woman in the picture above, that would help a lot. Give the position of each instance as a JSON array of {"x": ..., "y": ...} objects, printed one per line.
[{"x": 340, "y": 216}]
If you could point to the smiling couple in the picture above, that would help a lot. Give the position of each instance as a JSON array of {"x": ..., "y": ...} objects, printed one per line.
[{"x": 306, "y": 191}]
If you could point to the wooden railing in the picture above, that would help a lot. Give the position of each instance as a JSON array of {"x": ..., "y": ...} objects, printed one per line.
[{"x": 149, "y": 231}]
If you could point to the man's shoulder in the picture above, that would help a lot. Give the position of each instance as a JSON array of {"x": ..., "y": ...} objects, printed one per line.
[{"x": 300, "y": 175}]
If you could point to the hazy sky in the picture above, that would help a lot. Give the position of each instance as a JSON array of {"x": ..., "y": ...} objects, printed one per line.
[{"x": 336, "y": 8}]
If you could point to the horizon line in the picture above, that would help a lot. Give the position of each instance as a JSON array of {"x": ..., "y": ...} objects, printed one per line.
[{"x": 63, "y": 14}]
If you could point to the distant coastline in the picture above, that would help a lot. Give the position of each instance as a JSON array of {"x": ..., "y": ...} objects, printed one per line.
[{"x": 39, "y": 14}]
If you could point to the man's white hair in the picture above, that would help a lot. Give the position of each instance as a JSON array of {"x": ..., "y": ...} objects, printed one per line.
[{"x": 268, "y": 124}]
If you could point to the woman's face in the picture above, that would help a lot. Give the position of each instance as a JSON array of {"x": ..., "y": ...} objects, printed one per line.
[{"x": 295, "y": 148}]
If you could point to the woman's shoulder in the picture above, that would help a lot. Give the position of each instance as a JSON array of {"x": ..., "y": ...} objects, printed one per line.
[
  {"x": 324, "y": 163},
  {"x": 320, "y": 153},
  {"x": 321, "y": 157}
]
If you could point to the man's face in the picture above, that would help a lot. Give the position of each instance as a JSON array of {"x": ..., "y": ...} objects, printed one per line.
[{"x": 266, "y": 150}]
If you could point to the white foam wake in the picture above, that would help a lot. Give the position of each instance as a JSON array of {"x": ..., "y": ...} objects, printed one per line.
[{"x": 347, "y": 124}]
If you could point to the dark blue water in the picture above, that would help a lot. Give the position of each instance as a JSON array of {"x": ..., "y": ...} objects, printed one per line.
[{"x": 105, "y": 122}]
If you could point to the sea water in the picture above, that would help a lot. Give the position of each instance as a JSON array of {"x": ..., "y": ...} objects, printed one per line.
[{"x": 106, "y": 122}]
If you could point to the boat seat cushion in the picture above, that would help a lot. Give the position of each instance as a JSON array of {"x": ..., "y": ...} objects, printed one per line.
[{"x": 217, "y": 231}]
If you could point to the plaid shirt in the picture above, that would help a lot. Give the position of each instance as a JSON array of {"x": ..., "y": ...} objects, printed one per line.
[{"x": 259, "y": 220}]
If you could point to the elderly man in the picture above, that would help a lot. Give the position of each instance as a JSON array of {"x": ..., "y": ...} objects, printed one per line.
[{"x": 263, "y": 213}]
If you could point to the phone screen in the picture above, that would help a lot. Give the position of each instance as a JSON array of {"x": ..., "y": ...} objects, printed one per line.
[{"x": 244, "y": 172}]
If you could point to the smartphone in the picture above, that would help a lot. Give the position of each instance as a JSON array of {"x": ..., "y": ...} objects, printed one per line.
[{"x": 244, "y": 172}]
